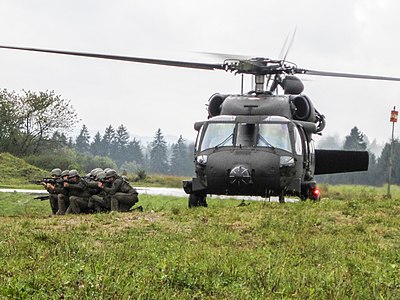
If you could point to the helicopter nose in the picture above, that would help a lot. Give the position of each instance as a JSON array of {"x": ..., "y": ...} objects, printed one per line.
[{"x": 240, "y": 175}]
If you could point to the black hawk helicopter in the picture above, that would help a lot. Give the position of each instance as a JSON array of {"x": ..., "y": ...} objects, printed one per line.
[{"x": 257, "y": 143}]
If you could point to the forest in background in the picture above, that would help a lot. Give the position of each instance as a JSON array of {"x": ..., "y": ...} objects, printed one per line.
[{"x": 35, "y": 126}]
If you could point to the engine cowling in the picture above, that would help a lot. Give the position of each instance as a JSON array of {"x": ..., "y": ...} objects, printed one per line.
[
  {"x": 215, "y": 104},
  {"x": 303, "y": 109}
]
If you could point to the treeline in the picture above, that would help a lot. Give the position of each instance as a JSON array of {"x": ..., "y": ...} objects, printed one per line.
[
  {"x": 131, "y": 155},
  {"x": 377, "y": 173},
  {"x": 34, "y": 126}
]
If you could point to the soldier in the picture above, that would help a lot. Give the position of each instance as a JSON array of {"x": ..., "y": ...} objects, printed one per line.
[
  {"x": 101, "y": 201},
  {"x": 78, "y": 193},
  {"x": 122, "y": 195},
  {"x": 63, "y": 197},
  {"x": 54, "y": 189}
]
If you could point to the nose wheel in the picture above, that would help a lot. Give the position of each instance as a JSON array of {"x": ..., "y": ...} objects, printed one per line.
[
  {"x": 196, "y": 200},
  {"x": 282, "y": 198}
]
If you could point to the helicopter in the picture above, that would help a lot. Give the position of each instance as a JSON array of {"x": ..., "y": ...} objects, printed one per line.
[{"x": 258, "y": 143}]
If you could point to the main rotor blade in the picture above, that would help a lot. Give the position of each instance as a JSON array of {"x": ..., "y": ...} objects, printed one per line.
[
  {"x": 346, "y": 75},
  {"x": 227, "y": 56},
  {"x": 290, "y": 44},
  {"x": 283, "y": 47},
  {"x": 172, "y": 63}
]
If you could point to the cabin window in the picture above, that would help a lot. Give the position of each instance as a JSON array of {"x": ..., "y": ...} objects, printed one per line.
[
  {"x": 274, "y": 135},
  {"x": 218, "y": 135}
]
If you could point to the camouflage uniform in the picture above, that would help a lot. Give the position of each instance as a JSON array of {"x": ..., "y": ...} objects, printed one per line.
[
  {"x": 122, "y": 195},
  {"x": 63, "y": 197},
  {"x": 99, "y": 201},
  {"x": 63, "y": 202},
  {"x": 78, "y": 196},
  {"x": 54, "y": 190}
]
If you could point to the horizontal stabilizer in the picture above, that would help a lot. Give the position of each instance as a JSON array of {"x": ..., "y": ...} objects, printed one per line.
[{"x": 340, "y": 161}]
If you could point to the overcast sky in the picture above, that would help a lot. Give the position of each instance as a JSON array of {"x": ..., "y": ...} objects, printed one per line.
[{"x": 357, "y": 36}]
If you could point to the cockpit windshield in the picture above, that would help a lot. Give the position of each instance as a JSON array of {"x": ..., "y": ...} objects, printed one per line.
[
  {"x": 218, "y": 135},
  {"x": 274, "y": 135},
  {"x": 223, "y": 134}
]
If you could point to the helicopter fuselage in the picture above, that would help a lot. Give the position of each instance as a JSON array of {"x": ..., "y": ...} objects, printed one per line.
[
  {"x": 253, "y": 146},
  {"x": 262, "y": 156}
]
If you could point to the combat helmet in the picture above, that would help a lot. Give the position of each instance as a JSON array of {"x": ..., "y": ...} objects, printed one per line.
[
  {"x": 56, "y": 172},
  {"x": 73, "y": 173},
  {"x": 95, "y": 171},
  {"x": 111, "y": 173},
  {"x": 101, "y": 176},
  {"x": 65, "y": 173}
]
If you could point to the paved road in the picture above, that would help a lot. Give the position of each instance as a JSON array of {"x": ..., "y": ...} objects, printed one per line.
[
  {"x": 142, "y": 190},
  {"x": 161, "y": 191}
]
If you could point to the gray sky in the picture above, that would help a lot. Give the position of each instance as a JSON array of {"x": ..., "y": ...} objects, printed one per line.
[{"x": 357, "y": 36}]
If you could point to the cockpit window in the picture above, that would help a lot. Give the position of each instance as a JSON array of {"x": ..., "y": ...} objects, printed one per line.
[
  {"x": 218, "y": 135},
  {"x": 274, "y": 135},
  {"x": 223, "y": 134}
]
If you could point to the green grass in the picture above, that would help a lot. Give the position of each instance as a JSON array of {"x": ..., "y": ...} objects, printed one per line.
[
  {"x": 159, "y": 180},
  {"x": 15, "y": 172},
  {"x": 334, "y": 249}
]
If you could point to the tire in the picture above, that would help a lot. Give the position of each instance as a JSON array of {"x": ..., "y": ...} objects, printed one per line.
[
  {"x": 197, "y": 200},
  {"x": 281, "y": 198}
]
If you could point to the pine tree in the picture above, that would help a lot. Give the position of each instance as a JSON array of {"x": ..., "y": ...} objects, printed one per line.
[
  {"x": 178, "y": 157},
  {"x": 189, "y": 165},
  {"x": 158, "y": 154},
  {"x": 383, "y": 163},
  {"x": 355, "y": 141},
  {"x": 134, "y": 152},
  {"x": 82, "y": 140},
  {"x": 59, "y": 138},
  {"x": 119, "y": 145},
  {"x": 106, "y": 141},
  {"x": 96, "y": 145}
]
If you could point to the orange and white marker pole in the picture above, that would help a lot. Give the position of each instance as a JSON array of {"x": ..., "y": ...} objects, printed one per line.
[{"x": 393, "y": 118}]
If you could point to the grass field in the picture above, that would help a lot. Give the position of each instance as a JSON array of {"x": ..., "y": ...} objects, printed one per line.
[{"x": 345, "y": 247}]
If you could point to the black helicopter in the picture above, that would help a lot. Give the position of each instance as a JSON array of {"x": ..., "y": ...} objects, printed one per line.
[{"x": 257, "y": 143}]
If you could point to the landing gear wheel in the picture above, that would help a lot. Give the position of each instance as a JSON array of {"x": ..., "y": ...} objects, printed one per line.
[
  {"x": 197, "y": 200},
  {"x": 282, "y": 198}
]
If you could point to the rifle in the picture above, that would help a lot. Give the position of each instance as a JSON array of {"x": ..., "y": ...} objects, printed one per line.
[
  {"x": 44, "y": 180},
  {"x": 42, "y": 198},
  {"x": 50, "y": 180}
]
